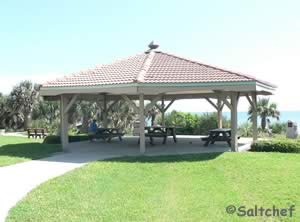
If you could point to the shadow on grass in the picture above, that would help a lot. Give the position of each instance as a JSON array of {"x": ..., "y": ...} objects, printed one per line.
[
  {"x": 29, "y": 150},
  {"x": 166, "y": 158}
]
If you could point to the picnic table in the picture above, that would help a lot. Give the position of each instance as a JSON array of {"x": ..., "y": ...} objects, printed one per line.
[
  {"x": 161, "y": 131},
  {"x": 218, "y": 135},
  {"x": 37, "y": 132},
  {"x": 108, "y": 133}
]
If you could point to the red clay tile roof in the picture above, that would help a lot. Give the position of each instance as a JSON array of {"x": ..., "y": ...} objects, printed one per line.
[{"x": 153, "y": 67}]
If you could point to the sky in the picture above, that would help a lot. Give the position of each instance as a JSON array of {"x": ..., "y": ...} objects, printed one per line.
[{"x": 43, "y": 40}]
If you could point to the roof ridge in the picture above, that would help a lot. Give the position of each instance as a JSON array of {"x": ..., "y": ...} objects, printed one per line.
[
  {"x": 89, "y": 71},
  {"x": 145, "y": 67},
  {"x": 220, "y": 69}
]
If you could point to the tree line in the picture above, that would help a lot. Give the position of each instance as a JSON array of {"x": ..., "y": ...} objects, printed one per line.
[{"x": 24, "y": 108}]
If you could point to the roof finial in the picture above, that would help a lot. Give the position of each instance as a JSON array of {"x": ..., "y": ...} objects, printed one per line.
[{"x": 153, "y": 45}]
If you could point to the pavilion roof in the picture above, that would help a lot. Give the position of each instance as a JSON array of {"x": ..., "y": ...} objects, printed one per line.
[{"x": 152, "y": 67}]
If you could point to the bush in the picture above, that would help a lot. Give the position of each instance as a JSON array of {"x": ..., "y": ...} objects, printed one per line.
[
  {"x": 56, "y": 139},
  {"x": 193, "y": 124},
  {"x": 278, "y": 128},
  {"x": 52, "y": 139},
  {"x": 245, "y": 129},
  {"x": 277, "y": 145},
  {"x": 52, "y": 128}
]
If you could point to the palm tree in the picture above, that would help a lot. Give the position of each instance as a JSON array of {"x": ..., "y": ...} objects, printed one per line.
[
  {"x": 22, "y": 100},
  {"x": 3, "y": 111},
  {"x": 83, "y": 111},
  {"x": 151, "y": 114},
  {"x": 121, "y": 116},
  {"x": 265, "y": 110}
]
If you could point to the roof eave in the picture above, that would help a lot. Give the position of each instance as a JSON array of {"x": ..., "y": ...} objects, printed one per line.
[{"x": 135, "y": 86}]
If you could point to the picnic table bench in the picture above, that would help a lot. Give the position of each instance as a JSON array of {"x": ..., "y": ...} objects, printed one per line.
[
  {"x": 37, "y": 132},
  {"x": 218, "y": 135},
  {"x": 160, "y": 132},
  {"x": 108, "y": 133}
]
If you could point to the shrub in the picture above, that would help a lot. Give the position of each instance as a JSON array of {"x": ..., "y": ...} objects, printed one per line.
[
  {"x": 278, "y": 128},
  {"x": 56, "y": 139},
  {"x": 42, "y": 123},
  {"x": 52, "y": 139},
  {"x": 194, "y": 124},
  {"x": 245, "y": 129},
  {"x": 277, "y": 145}
]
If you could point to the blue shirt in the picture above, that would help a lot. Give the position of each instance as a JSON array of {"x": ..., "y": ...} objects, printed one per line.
[{"x": 93, "y": 127}]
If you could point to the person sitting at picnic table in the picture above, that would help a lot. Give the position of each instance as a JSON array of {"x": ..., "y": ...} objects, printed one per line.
[{"x": 92, "y": 130}]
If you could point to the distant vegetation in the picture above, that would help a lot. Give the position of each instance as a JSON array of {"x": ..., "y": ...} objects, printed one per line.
[
  {"x": 193, "y": 124},
  {"x": 23, "y": 108}
]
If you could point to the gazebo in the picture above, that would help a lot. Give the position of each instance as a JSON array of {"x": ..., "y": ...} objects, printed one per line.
[{"x": 157, "y": 76}]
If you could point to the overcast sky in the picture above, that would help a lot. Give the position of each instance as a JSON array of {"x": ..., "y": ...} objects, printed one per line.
[{"x": 42, "y": 40}]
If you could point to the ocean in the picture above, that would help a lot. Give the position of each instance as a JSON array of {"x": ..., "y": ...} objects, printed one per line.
[{"x": 284, "y": 116}]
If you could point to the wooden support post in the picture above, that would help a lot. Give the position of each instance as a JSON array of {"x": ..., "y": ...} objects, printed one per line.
[
  {"x": 64, "y": 122},
  {"x": 220, "y": 116},
  {"x": 163, "y": 112},
  {"x": 234, "y": 119},
  {"x": 142, "y": 124},
  {"x": 104, "y": 111},
  {"x": 254, "y": 115}
]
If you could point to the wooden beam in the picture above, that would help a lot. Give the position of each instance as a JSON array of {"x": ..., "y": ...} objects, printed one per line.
[
  {"x": 112, "y": 104},
  {"x": 69, "y": 105},
  {"x": 212, "y": 103},
  {"x": 254, "y": 116},
  {"x": 163, "y": 112},
  {"x": 220, "y": 105},
  {"x": 249, "y": 100},
  {"x": 152, "y": 103},
  {"x": 234, "y": 119},
  {"x": 104, "y": 121},
  {"x": 168, "y": 106},
  {"x": 228, "y": 104},
  {"x": 142, "y": 124},
  {"x": 132, "y": 104},
  {"x": 158, "y": 107},
  {"x": 64, "y": 122},
  {"x": 238, "y": 96}
]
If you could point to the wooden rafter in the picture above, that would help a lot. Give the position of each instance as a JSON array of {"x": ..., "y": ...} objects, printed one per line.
[
  {"x": 112, "y": 104},
  {"x": 71, "y": 102},
  {"x": 159, "y": 107},
  {"x": 225, "y": 101},
  {"x": 168, "y": 106},
  {"x": 131, "y": 103},
  {"x": 153, "y": 103},
  {"x": 249, "y": 100},
  {"x": 212, "y": 103}
]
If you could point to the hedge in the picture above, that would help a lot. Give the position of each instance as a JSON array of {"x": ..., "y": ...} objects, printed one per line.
[
  {"x": 277, "y": 145},
  {"x": 56, "y": 139}
]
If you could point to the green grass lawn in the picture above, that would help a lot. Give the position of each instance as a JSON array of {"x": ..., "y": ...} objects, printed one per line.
[
  {"x": 167, "y": 188},
  {"x": 19, "y": 149}
]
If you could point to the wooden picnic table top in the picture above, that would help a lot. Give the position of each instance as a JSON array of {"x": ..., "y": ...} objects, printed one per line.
[
  {"x": 161, "y": 127},
  {"x": 220, "y": 130},
  {"x": 103, "y": 128}
]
